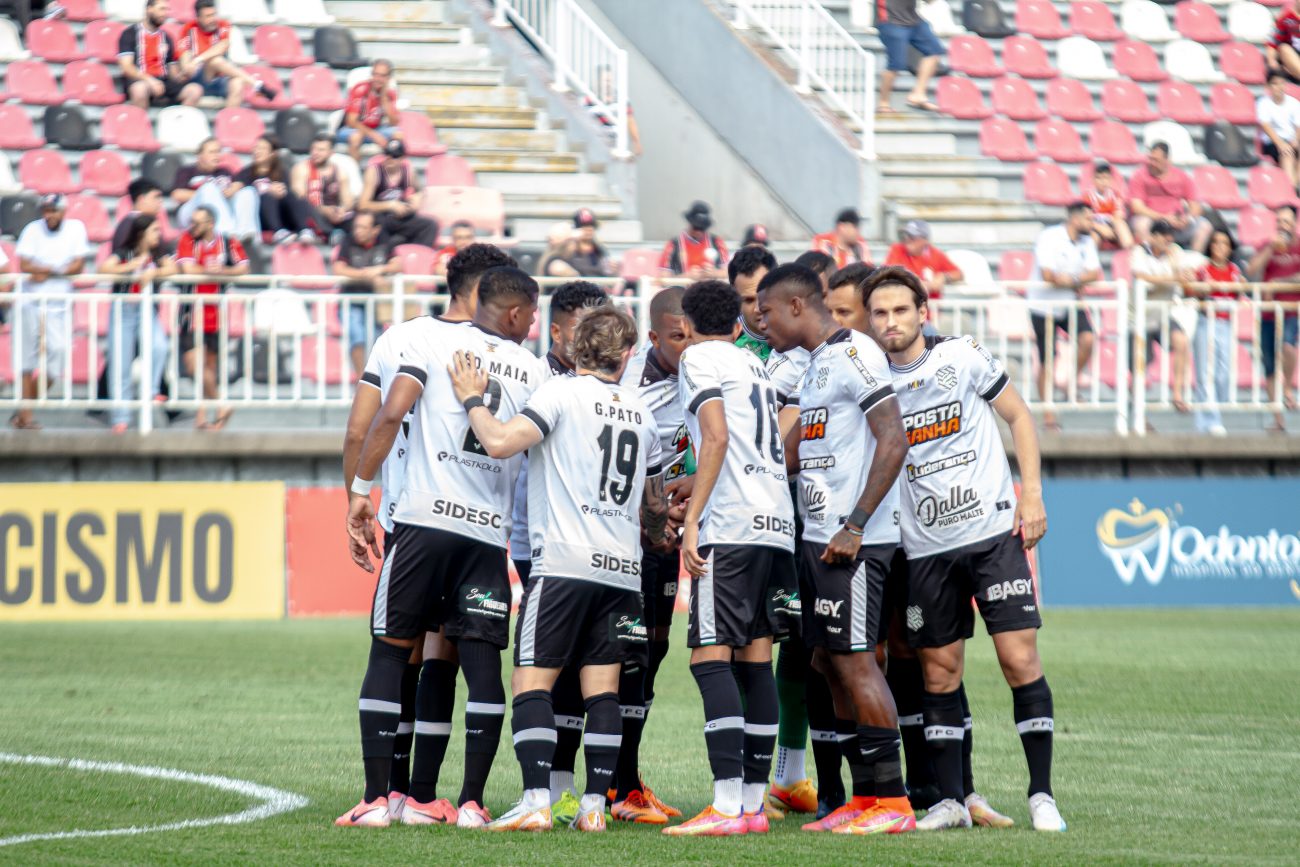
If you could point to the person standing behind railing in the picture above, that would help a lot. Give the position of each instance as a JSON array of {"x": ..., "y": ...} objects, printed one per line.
[
  {"x": 142, "y": 259},
  {"x": 1213, "y": 370},
  {"x": 1158, "y": 273},
  {"x": 365, "y": 260},
  {"x": 1279, "y": 262}
]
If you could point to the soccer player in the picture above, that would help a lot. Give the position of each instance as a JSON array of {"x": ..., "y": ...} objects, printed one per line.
[
  {"x": 583, "y": 605},
  {"x": 444, "y": 565},
  {"x": 848, "y": 453},
  {"x": 737, "y": 537},
  {"x": 966, "y": 535},
  {"x": 744, "y": 271}
]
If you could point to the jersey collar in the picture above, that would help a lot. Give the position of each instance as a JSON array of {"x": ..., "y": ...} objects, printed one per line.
[{"x": 744, "y": 328}]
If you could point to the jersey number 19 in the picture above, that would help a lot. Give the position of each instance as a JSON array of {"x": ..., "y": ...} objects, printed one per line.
[{"x": 622, "y": 454}]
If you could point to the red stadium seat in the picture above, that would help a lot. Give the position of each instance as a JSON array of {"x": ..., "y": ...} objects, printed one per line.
[
  {"x": 52, "y": 41},
  {"x": 1039, "y": 18},
  {"x": 279, "y": 46},
  {"x": 1114, "y": 143},
  {"x": 1242, "y": 61},
  {"x": 1216, "y": 186},
  {"x": 1026, "y": 58},
  {"x": 1016, "y": 265},
  {"x": 449, "y": 170},
  {"x": 1093, "y": 19},
  {"x": 91, "y": 311},
  {"x": 1058, "y": 140},
  {"x": 90, "y": 83},
  {"x": 169, "y": 232},
  {"x": 417, "y": 259},
  {"x": 16, "y": 131},
  {"x": 1199, "y": 22},
  {"x": 961, "y": 98},
  {"x": 1125, "y": 100},
  {"x": 299, "y": 260},
  {"x": 1117, "y": 181},
  {"x": 183, "y": 10},
  {"x": 1014, "y": 98},
  {"x": 30, "y": 82},
  {"x": 105, "y": 172},
  {"x": 230, "y": 162},
  {"x": 1070, "y": 100},
  {"x": 334, "y": 371},
  {"x": 420, "y": 137},
  {"x": 1005, "y": 140},
  {"x": 128, "y": 127},
  {"x": 256, "y": 99},
  {"x": 101, "y": 40},
  {"x": 1256, "y": 227},
  {"x": 238, "y": 129},
  {"x": 483, "y": 208},
  {"x": 1182, "y": 102},
  {"x": 91, "y": 211},
  {"x": 1232, "y": 102},
  {"x": 45, "y": 171},
  {"x": 1138, "y": 61},
  {"x": 640, "y": 262},
  {"x": 1046, "y": 184},
  {"x": 1269, "y": 186},
  {"x": 316, "y": 87},
  {"x": 82, "y": 10},
  {"x": 971, "y": 55}
]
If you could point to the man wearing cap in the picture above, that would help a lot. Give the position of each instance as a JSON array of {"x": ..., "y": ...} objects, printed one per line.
[
  {"x": 585, "y": 254},
  {"x": 389, "y": 192},
  {"x": 696, "y": 253},
  {"x": 756, "y": 236},
  {"x": 915, "y": 253},
  {"x": 844, "y": 243},
  {"x": 50, "y": 251}
]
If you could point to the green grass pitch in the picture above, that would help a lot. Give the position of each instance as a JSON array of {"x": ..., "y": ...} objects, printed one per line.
[{"x": 1175, "y": 743}]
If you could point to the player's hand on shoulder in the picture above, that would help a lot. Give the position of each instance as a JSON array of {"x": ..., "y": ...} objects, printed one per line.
[
  {"x": 1031, "y": 519},
  {"x": 467, "y": 377}
]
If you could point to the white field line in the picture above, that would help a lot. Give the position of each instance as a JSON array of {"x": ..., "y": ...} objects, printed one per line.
[{"x": 273, "y": 801}]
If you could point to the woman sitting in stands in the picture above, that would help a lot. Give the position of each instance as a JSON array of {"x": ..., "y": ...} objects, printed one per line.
[{"x": 284, "y": 215}]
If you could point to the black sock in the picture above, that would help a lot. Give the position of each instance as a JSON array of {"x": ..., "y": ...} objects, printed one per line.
[
  {"x": 880, "y": 750},
  {"x": 631, "y": 699},
  {"x": 762, "y": 713},
  {"x": 846, "y": 738},
  {"x": 566, "y": 697},
  {"x": 532, "y": 721},
  {"x": 485, "y": 709},
  {"x": 908, "y": 688},
  {"x": 380, "y": 709},
  {"x": 724, "y": 721},
  {"x": 1032, "y": 704},
  {"x": 601, "y": 741},
  {"x": 658, "y": 652},
  {"x": 944, "y": 734},
  {"x": 399, "y": 775},
  {"x": 435, "y": 700},
  {"x": 827, "y": 756},
  {"x": 967, "y": 744}
]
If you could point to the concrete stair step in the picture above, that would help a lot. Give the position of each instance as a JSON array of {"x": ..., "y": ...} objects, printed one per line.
[
  {"x": 938, "y": 144},
  {"x": 938, "y": 187},
  {"x": 370, "y": 30},
  {"x": 434, "y": 96},
  {"x": 412, "y": 74},
  {"x": 427, "y": 11},
  {"x": 483, "y": 117},
  {"x": 953, "y": 208},
  {"x": 533, "y": 230},
  {"x": 551, "y": 208},
  {"x": 404, "y": 52},
  {"x": 583, "y": 186},
  {"x": 524, "y": 140},
  {"x": 486, "y": 160}
]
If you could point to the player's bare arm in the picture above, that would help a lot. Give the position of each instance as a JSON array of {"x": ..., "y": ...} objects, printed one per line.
[
  {"x": 654, "y": 514},
  {"x": 500, "y": 439},
  {"x": 1031, "y": 516},
  {"x": 886, "y": 423},
  {"x": 790, "y": 438},
  {"x": 711, "y": 452},
  {"x": 405, "y": 391}
]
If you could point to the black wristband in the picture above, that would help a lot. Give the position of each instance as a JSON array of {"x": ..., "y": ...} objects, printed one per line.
[
  {"x": 474, "y": 400},
  {"x": 858, "y": 519}
]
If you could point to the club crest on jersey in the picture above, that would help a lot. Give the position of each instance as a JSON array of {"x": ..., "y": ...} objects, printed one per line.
[
  {"x": 813, "y": 421},
  {"x": 946, "y": 377},
  {"x": 852, "y": 353},
  {"x": 931, "y": 424},
  {"x": 822, "y": 373}
]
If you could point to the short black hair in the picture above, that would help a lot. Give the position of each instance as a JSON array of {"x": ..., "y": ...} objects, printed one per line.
[
  {"x": 466, "y": 266},
  {"x": 141, "y": 187},
  {"x": 1162, "y": 227},
  {"x": 576, "y": 294},
  {"x": 1290, "y": 208},
  {"x": 712, "y": 306},
  {"x": 748, "y": 260},
  {"x": 816, "y": 261},
  {"x": 200, "y": 5},
  {"x": 325, "y": 137},
  {"x": 855, "y": 273},
  {"x": 1101, "y": 169},
  {"x": 1161, "y": 146},
  {"x": 505, "y": 284},
  {"x": 1275, "y": 73},
  {"x": 1075, "y": 208},
  {"x": 666, "y": 302},
  {"x": 894, "y": 275},
  {"x": 802, "y": 280}
]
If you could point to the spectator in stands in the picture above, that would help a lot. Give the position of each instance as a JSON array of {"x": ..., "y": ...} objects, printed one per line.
[
  {"x": 151, "y": 73},
  {"x": 204, "y": 250},
  {"x": 365, "y": 260},
  {"x": 819, "y": 263},
  {"x": 1283, "y": 50},
  {"x": 1065, "y": 260},
  {"x": 696, "y": 253},
  {"x": 900, "y": 27},
  {"x": 283, "y": 215},
  {"x": 605, "y": 87},
  {"x": 552, "y": 263},
  {"x": 50, "y": 251},
  {"x": 1279, "y": 262},
  {"x": 208, "y": 182},
  {"x": 1159, "y": 191},
  {"x": 745, "y": 271},
  {"x": 1214, "y": 368},
  {"x": 584, "y": 254},
  {"x": 915, "y": 253},
  {"x": 756, "y": 234},
  {"x": 205, "y": 42},
  {"x": 143, "y": 260},
  {"x": 371, "y": 114},
  {"x": 146, "y": 198},
  {"x": 1109, "y": 214},
  {"x": 325, "y": 189},
  {"x": 462, "y": 235},
  {"x": 1278, "y": 116},
  {"x": 1159, "y": 270},
  {"x": 389, "y": 193},
  {"x": 844, "y": 243}
]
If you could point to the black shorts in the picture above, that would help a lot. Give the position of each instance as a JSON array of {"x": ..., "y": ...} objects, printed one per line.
[
  {"x": 1060, "y": 320},
  {"x": 749, "y": 592},
  {"x": 659, "y": 574},
  {"x": 894, "y": 601},
  {"x": 171, "y": 95},
  {"x": 569, "y": 621},
  {"x": 435, "y": 578},
  {"x": 843, "y": 601},
  {"x": 940, "y": 586},
  {"x": 523, "y": 568},
  {"x": 211, "y": 342}
]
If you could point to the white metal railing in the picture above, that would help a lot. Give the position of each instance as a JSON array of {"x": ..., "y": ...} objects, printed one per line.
[
  {"x": 824, "y": 55},
  {"x": 582, "y": 55}
]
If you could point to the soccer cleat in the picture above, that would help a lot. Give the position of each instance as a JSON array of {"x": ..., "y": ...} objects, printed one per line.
[
  {"x": 710, "y": 823},
  {"x": 984, "y": 815},
  {"x": 924, "y": 797},
  {"x": 396, "y": 801},
  {"x": 841, "y": 815},
  {"x": 363, "y": 815},
  {"x": 757, "y": 822},
  {"x": 635, "y": 808},
  {"x": 775, "y": 809},
  {"x": 472, "y": 815},
  {"x": 521, "y": 818},
  {"x": 589, "y": 821},
  {"x": 439, "y": 812},
  {"x": 565, "y": 810},
  {"x": 945, "y": 814},
  {"x": 653, "y": 800},
  {"x": 1043, "y": 814},
  {"x": 826, "y": 806},
  {"x": 888, "y": 816},
  {"x": 799, "y": 798}
]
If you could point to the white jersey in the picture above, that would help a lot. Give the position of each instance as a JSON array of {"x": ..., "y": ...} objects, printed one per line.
[
  {"x": 451, "y": 482},
  {"x": 658, "y": 389},
  {"x": 750, "y": 504},
  {"x": 848, "y": 376},
  {"x": 520, "y": 547},
  {"x": 957, "y": 487},
  {"x": 786, "y": 370},
  {"x": 587, "y": 479}
]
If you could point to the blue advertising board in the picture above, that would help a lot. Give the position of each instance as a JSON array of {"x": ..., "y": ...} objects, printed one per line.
[{"x": 1217, "y": 541}]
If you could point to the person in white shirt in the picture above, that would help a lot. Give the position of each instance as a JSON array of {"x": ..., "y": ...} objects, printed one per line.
[
  {"x": 1278, "y": 117},
  {"x": 50, "y": 251},
  {"x": 1159, "y": 270},
  {"x": 1065, "y": 260}
]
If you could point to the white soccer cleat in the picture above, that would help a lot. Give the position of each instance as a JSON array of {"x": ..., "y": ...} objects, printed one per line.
[
  {"x": 1043, "y": 813},
  {"x": 396, "y": 801},
  {"x": 471, "y": 815},
  {"x": 943, "y": 815},
  {"x": 982, "y": 814}
]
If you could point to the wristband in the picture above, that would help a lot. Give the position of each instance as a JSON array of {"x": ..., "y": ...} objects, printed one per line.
[
  {"x": 362, "y": 486},
  {"x": 858, "y": 518},
  {"x": 470, "y": 402}
]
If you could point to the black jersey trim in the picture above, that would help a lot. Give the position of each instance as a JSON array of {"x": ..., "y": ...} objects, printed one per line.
[
  {"x": 369, "y": 378},
  {"x": 874, "y": 399},
  {"x": 652, "y": 471},
  {"x": 417, "y": 373},
  {"x": 531, "y": 415},
  {"x": 704, "y": 397},
  {"x": 992, "y": 392}
]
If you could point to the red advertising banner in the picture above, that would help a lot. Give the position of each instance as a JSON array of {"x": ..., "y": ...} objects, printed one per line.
[{"x": 323, "y": 580}]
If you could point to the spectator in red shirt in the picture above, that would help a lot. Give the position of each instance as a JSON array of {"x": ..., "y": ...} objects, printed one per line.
[
  {"x": 371, "y": 114},
  {"x": 918, "y": 255},
  {"x": 844, "y": 243},
  {"x": 1158, "y": 191},
  {"x": 1214, "y": 369},
  {"x": 204, "y": 44},
  {"x": 326, "y": 190},
  {"x": 203, "y": 250},
  {"x": 1283, "y": 50},
  {"x": 462, "y": 235},
  {"x": 696, "y": 253},
  {"x": 147, "y": 57},
  {"x": 1279, "y": 262},
  {"x": 1109, "y": 214}
]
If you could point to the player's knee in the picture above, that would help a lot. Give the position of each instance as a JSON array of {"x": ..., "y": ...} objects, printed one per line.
[{"x": 1020, "y": 663}]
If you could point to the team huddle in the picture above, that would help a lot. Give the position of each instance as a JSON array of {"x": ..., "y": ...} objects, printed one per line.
[{"x": 828, "y": 472}]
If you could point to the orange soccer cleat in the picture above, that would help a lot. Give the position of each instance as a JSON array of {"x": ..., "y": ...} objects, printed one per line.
[
  {"x": 799, "y": 798},
  {"x": 366, "y": 815},
  {"x": 888, "y": 816},
  {"x": 710, "y": 823},
  {"x": 635, "y": 808}
]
